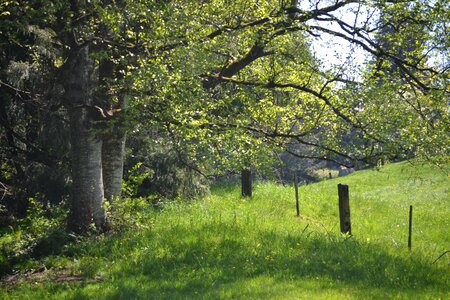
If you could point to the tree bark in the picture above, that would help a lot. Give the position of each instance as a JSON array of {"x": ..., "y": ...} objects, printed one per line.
[
  {"x": 113, "y": 153},
  {"x": 113, "y": 148},
  {"x": 86, "y": 146}
]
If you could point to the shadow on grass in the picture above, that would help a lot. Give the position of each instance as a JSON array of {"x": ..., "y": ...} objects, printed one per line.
[
  {"x": 49, "y": 243},
  {"x": 187, "y": 263}
]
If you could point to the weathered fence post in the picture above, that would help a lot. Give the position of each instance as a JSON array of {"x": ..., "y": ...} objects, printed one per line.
[
  {"x": 329, "y": 175},
  {"x": 246, "y": 182},
  {"x": 410, "y": 228},
  {"x": 344, "y": 209},
  {"x": 297, "y": 204}
]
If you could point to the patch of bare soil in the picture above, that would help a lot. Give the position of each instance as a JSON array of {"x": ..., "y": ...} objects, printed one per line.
[{"x": 44, "y": 274}]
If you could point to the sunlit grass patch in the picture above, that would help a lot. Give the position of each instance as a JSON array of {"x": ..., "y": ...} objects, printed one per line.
[{"x": 225, "y": 246}]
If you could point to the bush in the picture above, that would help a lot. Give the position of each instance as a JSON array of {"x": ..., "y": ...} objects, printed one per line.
[
  {"x": 157, "y": 168},
  {"x": 40, "y": 233}
]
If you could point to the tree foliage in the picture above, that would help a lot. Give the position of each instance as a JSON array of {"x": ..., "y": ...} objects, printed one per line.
[{"x": 226, "y": 84}]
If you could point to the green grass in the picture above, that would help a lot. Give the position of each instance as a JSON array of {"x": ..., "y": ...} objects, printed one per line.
[{"x": 224, "y": 246}]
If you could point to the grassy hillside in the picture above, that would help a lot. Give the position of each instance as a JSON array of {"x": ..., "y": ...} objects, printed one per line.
[{"x": 224, "y": 246}]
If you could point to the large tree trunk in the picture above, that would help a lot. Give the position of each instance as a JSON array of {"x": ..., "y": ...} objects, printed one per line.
[{"x": 87, "y": 190}]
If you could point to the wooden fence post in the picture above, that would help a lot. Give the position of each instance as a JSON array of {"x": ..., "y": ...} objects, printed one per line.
[
  {"x": 410, "y": 227},
  {"x": 246, "y": 182},
  {"x": 344, "y": 209},
  {"x": 297, "y": 204}
]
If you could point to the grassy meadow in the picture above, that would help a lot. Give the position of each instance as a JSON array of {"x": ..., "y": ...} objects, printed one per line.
[{"x": 224, "y": 246}]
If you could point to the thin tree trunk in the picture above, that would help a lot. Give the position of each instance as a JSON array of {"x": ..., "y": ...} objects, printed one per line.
[
  {"x": 113, "y": 153},
  {"x": 113, "y": 149},
  {"x": 87, "y": 189}
]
